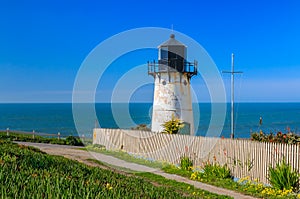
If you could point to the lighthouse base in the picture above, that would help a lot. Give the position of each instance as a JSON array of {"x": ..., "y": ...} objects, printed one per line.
[{"x": 172, "y": 98}]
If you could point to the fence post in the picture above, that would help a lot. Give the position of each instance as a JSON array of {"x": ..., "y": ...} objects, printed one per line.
[
  {"x": 82, "y": 137},
  {"x": 7, "y": 131},
  {"x": 58, "y": 135},
  {"x": 33, "y": 134}
]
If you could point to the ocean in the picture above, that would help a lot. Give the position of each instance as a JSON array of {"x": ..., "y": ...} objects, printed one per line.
[{"x": 54, "y": 118}]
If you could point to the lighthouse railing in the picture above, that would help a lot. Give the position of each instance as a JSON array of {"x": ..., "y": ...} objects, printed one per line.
[{"x": 162, "y": 66}]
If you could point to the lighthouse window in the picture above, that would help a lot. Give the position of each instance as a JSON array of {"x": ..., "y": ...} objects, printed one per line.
[{"x": 164, "y": 53}]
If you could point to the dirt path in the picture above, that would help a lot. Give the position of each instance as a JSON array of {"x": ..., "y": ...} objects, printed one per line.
[{"x": 72, "y": 152}]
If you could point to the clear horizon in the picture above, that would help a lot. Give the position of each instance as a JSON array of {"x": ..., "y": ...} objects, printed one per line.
[{"x": 43, "y": 45}]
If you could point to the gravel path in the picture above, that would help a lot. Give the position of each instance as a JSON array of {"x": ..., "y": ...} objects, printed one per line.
[{"x": 72, "y": 152}]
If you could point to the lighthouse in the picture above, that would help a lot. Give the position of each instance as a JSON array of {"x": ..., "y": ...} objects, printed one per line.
[{"x": 172, "y": 89}]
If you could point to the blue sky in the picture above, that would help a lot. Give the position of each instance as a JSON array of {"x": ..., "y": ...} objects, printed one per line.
[{"x": 43, "y": 43}]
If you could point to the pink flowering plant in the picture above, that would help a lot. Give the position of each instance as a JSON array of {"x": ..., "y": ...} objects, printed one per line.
[{"x": 279, "y": 137}]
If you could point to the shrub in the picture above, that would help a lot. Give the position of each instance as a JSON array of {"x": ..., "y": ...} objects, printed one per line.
[
  {"x": 172, "y": 126},
  {"x": 186, "y": 163},
  {"x": 57, "y": 141},
  {"x": 212, "y": 173},
  {"x": 283, "y": 177},
  {"x": 259, "y": 189},
  {"x": 279, "y": 137},
  {"x": 141, "y": 127},
  {"x": 71, "y": 140},
  {"x": 217, "y": 171}
]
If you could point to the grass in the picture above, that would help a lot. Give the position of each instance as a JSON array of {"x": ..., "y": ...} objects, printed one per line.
[
  {"x": 228, "y": 183},
  {"x": 158, "y": 180},
  {"x": 172, "y": 169},
  {"x": 185, "y": 189},
  {"x": 26, "y": 172},
  {"x": 125, "y": 156},
  {"x": 70, "y": 140},
  {"x": 246, "y": 187},
  {"x": 112, "y": 167},
  {"x": 179, "y": 186}
]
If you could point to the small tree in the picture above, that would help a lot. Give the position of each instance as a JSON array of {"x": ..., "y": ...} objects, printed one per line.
[{"x": 172, "y": 126}]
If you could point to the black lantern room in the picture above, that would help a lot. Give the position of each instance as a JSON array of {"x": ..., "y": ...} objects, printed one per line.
[{"x": 172, "y": 58}]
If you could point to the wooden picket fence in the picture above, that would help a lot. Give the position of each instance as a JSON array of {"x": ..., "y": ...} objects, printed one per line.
[{"x": 244, "y": 157}]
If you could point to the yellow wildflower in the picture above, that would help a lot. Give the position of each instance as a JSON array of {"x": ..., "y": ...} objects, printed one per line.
[{"x": 108, "y": 186}]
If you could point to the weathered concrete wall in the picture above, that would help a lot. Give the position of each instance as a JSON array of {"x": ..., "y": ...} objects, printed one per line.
[{"x": 172, "y": 96}]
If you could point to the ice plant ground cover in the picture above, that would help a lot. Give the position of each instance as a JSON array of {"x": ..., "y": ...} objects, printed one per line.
[{"x": 26, "y": 172}]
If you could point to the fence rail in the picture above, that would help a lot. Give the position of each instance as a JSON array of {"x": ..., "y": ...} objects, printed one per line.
[
  {"x": 244, "y": 157},
  {"x": 33, "y": 133}
]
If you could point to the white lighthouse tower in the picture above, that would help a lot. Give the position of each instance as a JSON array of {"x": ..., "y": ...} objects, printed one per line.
[{"x": 172, "y": 94}]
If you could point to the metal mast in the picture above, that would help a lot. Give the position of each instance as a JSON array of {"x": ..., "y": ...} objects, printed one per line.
[{"x": 232, "y": 72}]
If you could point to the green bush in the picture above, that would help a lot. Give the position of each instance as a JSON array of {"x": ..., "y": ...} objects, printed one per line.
[
  {"x": 141, "y": 127},
  {"x": 71, "y": 140},
  {"x": 283, "y": 177},
  {"x": 172, "y": 126},
  {"x": 279, "y": 137},
  {"x": 57, "y": 141},
  {"x": 186, "y": 163},
  {"x": 217, "y": 171}
]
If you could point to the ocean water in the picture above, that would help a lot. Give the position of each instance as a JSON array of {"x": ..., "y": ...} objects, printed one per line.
[{"x": 54, "y": 118}]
